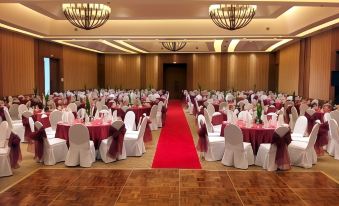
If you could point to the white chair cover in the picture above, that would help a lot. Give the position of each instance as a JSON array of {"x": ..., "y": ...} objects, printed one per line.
[
  {"x": 333, "y": 143},
  {"x": 55, "y": 149},
  {"x": 21, "y": 109},
  {"x": 72, "y": 107},
  {"x": 237, "y": 153},
  {"x": 216, "y": 144},
  {"x": 68, "y": 117},
  {"x": 159, "y": 114},
  {"x": 81, "y": 149},
  {"x": 153, "y": 118},
  {"x": 5, "y": 165},
  {"x": 130, "y": 121},
  {"x": 134, "y": 142},
  {"x": 302, "y": 153},
  {"x": 16, "y": 127},
  {"x": 4, "y": 134},
  {"x": 299, "y": 128}
]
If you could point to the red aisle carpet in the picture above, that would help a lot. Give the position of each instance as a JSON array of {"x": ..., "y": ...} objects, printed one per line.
[{"x": 176, "y": 148}]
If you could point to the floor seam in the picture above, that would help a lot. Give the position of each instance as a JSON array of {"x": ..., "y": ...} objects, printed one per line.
[
  {"x": 235, "y": 188},
  {"x": 305, "y": 203},
  {"x": 123, "y": 187}
]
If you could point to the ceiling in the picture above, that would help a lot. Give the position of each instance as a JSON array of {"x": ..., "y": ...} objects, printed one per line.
[{"x": 139, "y": 26}]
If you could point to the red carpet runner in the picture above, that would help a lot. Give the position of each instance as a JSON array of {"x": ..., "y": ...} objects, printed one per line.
[{"x": 176, "y": 148}]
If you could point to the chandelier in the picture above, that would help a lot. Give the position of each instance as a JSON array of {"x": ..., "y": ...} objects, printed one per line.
[
  {"x": 230, "y": 16},
  {"x": 86, "y": 15},
  {"x": 174, "y": 46}
]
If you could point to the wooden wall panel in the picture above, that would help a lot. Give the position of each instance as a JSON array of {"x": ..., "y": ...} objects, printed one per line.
[
  {"x": 223, "y": 71},
  {"x": 152, "y": 70},
  {"x": 206, "y": 71},
  {"x": 246, "y": 70},
  {"x": 16, "y": 63},
  {"x": 320, "y": 66},
  {"x": 80, "y": 69},
  {"x": 289, "y": 58},
  {"x": 122, "y": 70}
]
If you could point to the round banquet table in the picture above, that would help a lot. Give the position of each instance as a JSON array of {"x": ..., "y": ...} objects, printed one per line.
[
  {"x": 138, "y": 111},
  {"x": 255, "y": 135},
  {"x": 97, "y": 131}
]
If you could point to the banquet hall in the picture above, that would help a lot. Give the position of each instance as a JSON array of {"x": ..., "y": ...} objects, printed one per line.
[{"x": 191, "y": 102}]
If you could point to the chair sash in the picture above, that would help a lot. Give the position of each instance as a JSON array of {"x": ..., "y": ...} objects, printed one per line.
[
  {"x": 322, "y": 138},
  {"x": 287, "y": 115},
  {"x": 38, "y": 137},
  {"x": 266, "y": 101},
  {"x": 163, "y": 115},
  {"x": 28, "y": 131},
  {"x": 15, "y": 151},
  {"x": 202, "y": 141},
  {"x": 282, "y": 158},
  {"x": 271, "y": 110},
  {"x": 148, "y": 133},
  {"x": 2, "y": 114},
  {"x": 75, "y": 114},
  {"x": 310, "y": 122},
  {"x": 115, "y": 148}
]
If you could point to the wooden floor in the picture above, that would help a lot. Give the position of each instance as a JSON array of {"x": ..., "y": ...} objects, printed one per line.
[{"x": 171, "y": 187}]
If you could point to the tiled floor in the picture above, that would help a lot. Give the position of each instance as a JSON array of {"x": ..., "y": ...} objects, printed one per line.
[{"x": 171, "y": 187}]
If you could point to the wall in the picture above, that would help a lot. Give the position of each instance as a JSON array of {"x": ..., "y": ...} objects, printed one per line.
[
  {"x": 122, "y": 71},
  {"x": 21, "y": 64},
  {"x": 289, "y": 68},
  {"x": 245, "y": 70},
  {"x": 306, "y": 65},
  {"x": 320, "y": 66},
  {"x": 211, "y": 71},
  {"x": 16, "y": 64},
  {"x": 80, "y": 69},
  {"x": 206, "y": 70}
]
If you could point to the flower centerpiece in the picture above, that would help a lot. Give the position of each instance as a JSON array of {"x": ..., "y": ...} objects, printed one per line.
[
  {"x": 46, "y": 102},
  {"x": 88, "y": 107},
  {"x": 259, "y": 113},
  {"x": 129, "y": 100}
]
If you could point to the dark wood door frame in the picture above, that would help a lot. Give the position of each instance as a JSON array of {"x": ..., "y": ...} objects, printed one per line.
[{"x": 183, "y": 68}]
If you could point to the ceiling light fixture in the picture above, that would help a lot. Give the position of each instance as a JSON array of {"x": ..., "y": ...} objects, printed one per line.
[
  {"x": 174, "y": 46},
  {"x": 233, "y": 45},
  {"x": 232, "y": 16},
  {"x": 86, "y": 15},
  {"x": 130, "y": 46},
  {"x": 278, "y": 44},
  {"x": 217, "y": 45}
]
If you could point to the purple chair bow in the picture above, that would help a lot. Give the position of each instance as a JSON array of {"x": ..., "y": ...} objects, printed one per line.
[
  {"x": 322, "y": 138},
  {"x": 28, "y": 131},
  {"x": 282, "y": 158},
  {"x": 202, "y": 141},
  {"x": 15, "y": 151},
  {"x": 115, "y": 148},
  {"x": 310, "y": 121},
  {"x": 38, "y": 138},
  {"x": 148, "y": 133}
]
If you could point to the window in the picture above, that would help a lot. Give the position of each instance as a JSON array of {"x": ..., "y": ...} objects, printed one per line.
[{"x": 47, "y": 75}]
